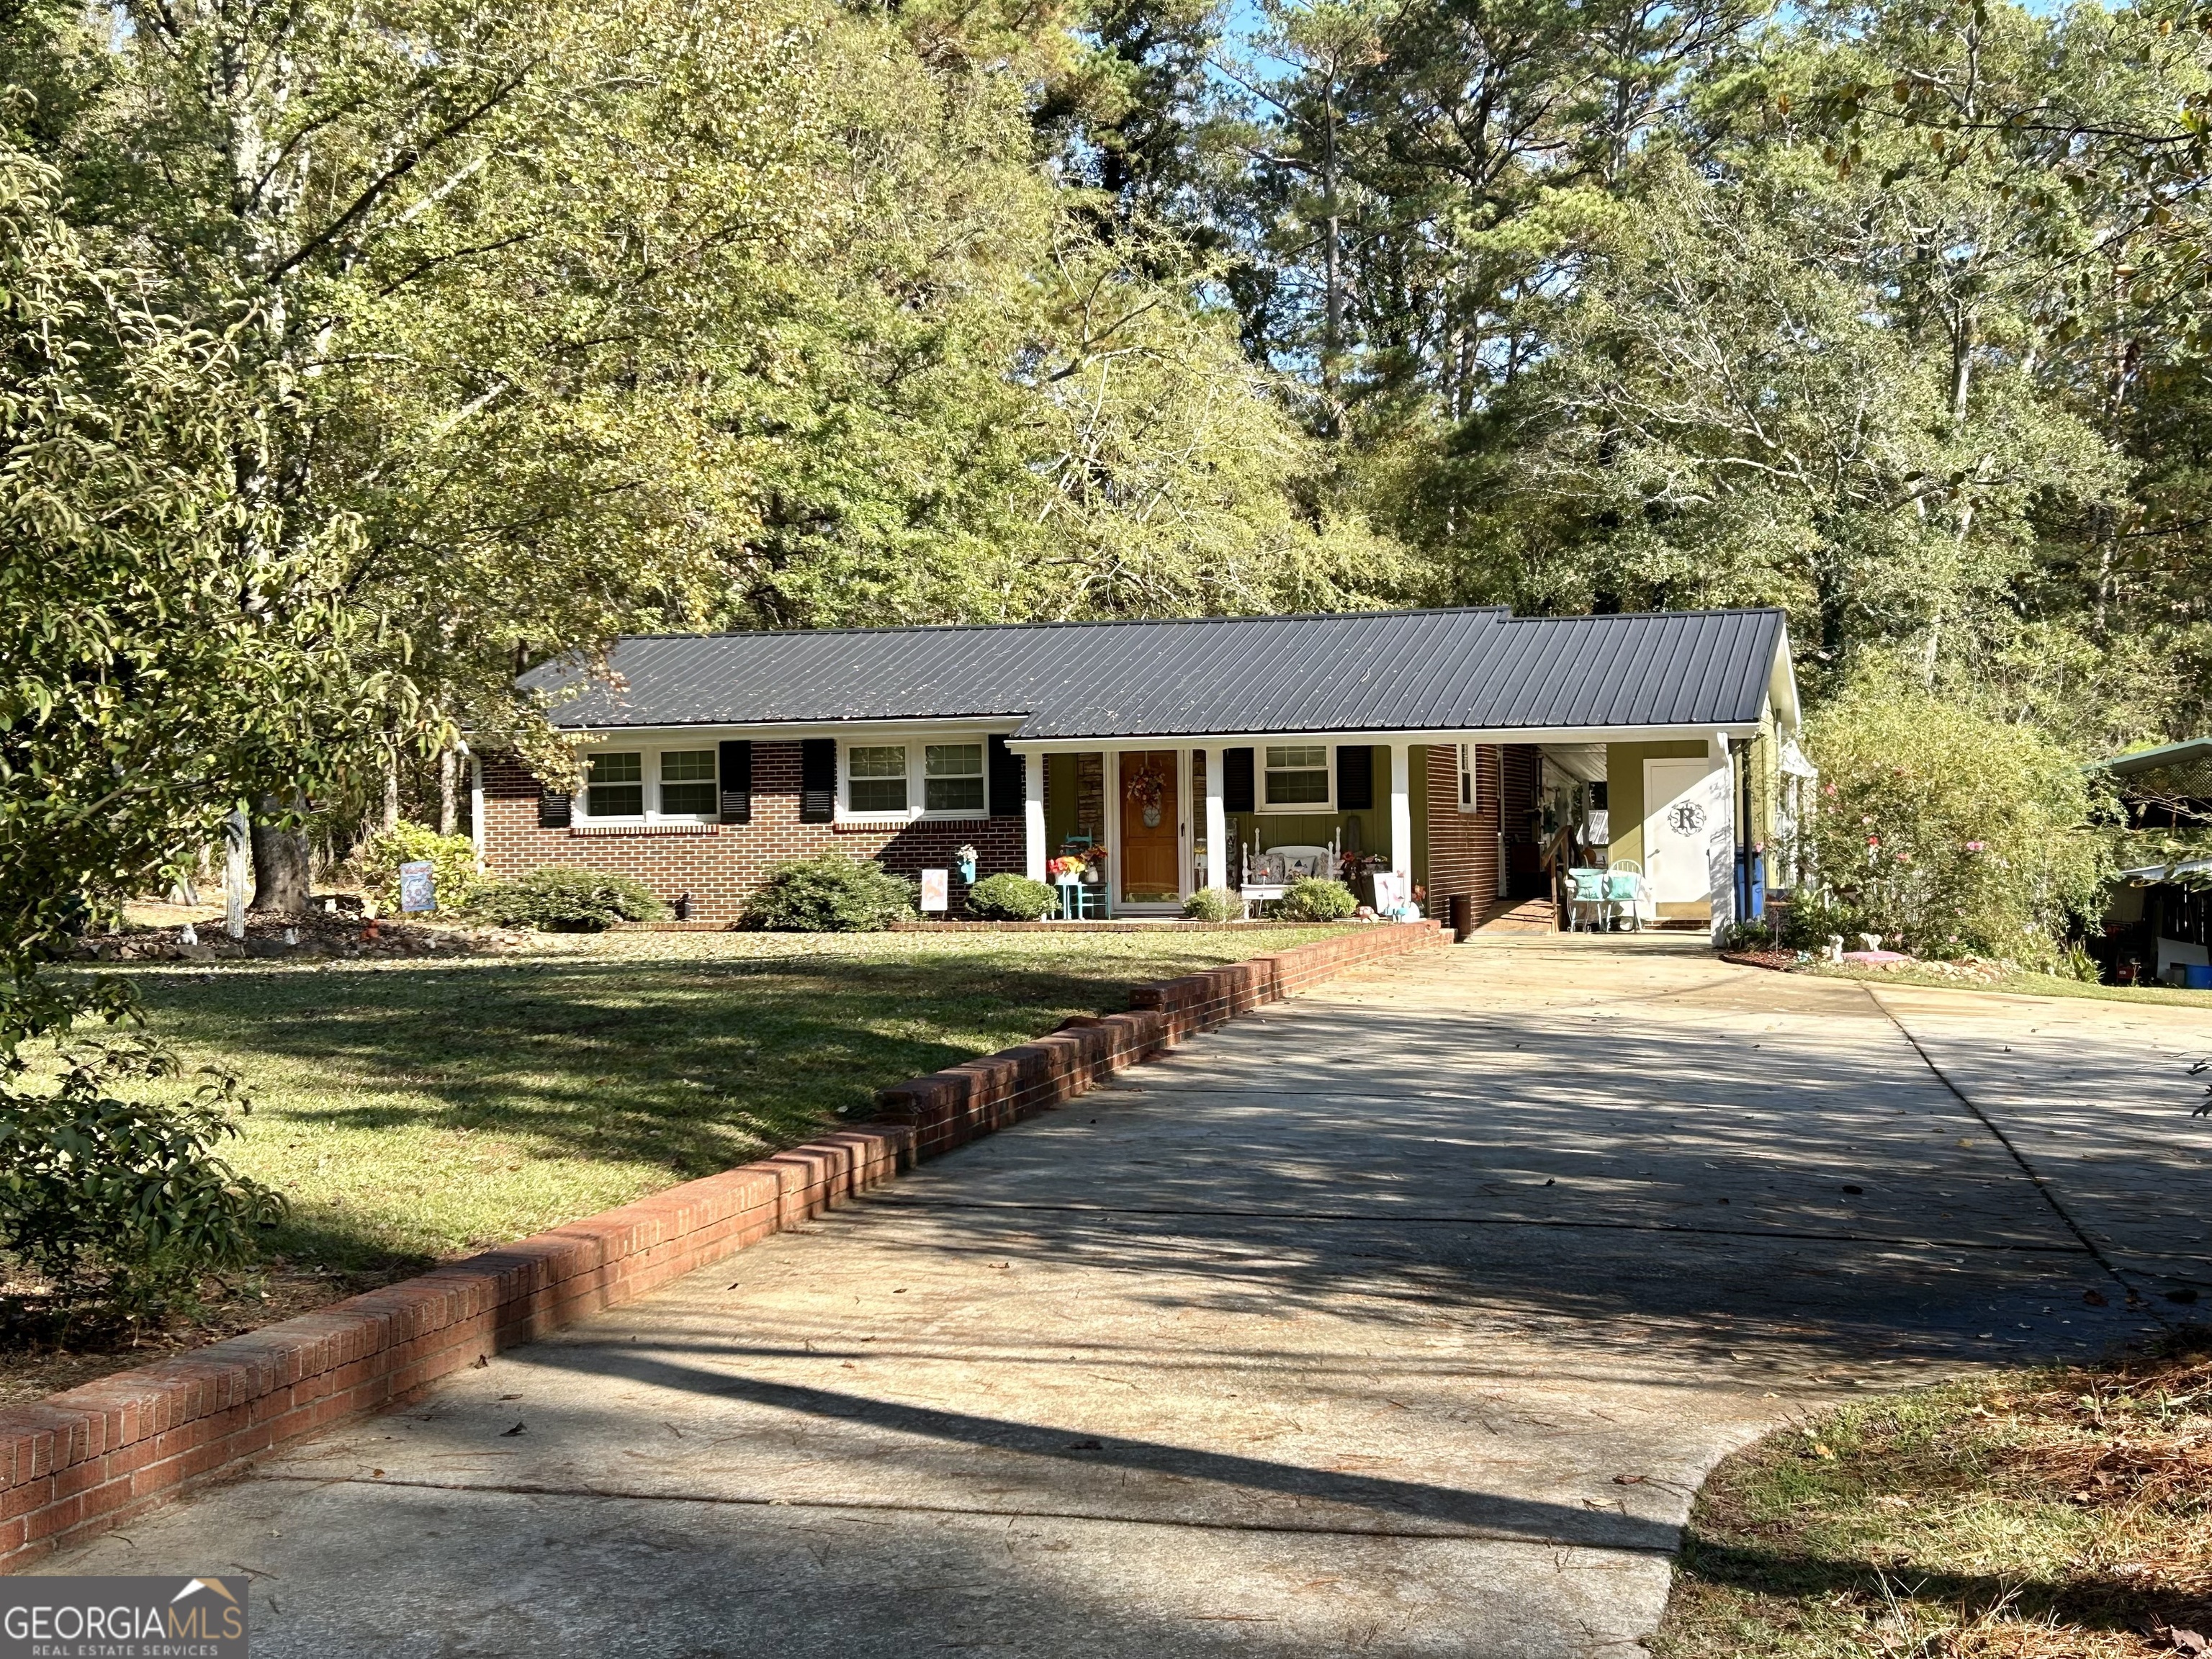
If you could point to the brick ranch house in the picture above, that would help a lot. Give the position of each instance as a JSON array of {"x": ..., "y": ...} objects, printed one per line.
[{"x": 1474, "y": 752}]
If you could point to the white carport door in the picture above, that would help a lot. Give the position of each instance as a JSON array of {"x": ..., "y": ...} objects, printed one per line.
[{"x": 1686, "y": 809}]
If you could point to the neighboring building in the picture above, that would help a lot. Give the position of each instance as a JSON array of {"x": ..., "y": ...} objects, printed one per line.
[
  {"x": 1471, "y": 750},
  {"x": 2158, "y": 917},
  {"x": 2157, "y": 923}
]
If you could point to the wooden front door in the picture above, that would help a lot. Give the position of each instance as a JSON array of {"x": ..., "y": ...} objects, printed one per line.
[{"x": 1151, "y": 829}]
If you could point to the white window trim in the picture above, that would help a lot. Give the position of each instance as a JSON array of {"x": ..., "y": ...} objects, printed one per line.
[
  {"x": 1469, "y": 762},
  {"x": 1291, "y": 809},
  {"x": 649, "y": 765},
  {"x": 917, "y": 785}
]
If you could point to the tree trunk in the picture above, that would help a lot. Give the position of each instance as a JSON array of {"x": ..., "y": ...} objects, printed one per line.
[
  {"x": 391, "y": 789},
  {"x": 280, "y": 864},
  {"x": 449, "y": 809},
  {"x": 1332, "y": 343}
]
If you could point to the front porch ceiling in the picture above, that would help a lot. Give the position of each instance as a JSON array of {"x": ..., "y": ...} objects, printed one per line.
[{"x": 1585, "y": 762}]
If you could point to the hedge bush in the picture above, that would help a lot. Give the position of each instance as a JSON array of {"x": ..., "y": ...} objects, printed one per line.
[
  {"x": 125, "y": 1203},
  {"x": 453, "y": 860},
  {"x": 1311, "y": 898},
  {"x": 1214, "y": 904},
  {"x": 559, "y": 900},
  {"x": 830, "y": 893},
  {"x": 1012, "y": 898}
]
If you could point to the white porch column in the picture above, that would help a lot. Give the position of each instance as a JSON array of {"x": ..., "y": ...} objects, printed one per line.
[
  {"x": 1216, "y": 821},
  {"x": 478, "y": 828},
  {"x": 1720, "y": 845},
  {"x": 1401, "y": 810},
  {"x": 1033, "y": 816}
]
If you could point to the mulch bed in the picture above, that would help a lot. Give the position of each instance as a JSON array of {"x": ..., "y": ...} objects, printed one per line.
[
  {"x": 1780, "y": 961},
  {"x": 42, "y": 1351},
  {"x": 319, "y": 933}
]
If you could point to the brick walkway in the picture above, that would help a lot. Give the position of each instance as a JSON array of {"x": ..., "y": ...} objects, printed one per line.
[{"x": 1402, "y": 1319}]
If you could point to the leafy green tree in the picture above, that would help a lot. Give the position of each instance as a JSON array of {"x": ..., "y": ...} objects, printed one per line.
[
  {"x": 165, "y": 660},
  {"x": 1952, "y": 832}
]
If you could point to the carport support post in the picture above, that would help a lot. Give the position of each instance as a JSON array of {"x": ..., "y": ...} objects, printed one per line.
[
  {"x": 1216, "y": 821},
  {"x": 1033, "y": 817},
  {"x": 1721, "y": 839},
  {"x": 1401, "y": 812}
]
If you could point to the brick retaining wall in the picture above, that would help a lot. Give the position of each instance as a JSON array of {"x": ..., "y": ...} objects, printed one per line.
[{"x": 89, "y": 1460}]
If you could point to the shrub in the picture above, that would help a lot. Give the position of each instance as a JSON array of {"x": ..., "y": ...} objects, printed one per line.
[
  {"x": 1813, "y": 918},
  {"x": 1311, "y": 898},
  {"x": 1012, "y": 898},
  {"x": 125, "y": 1202},
  {"x": 1952, "y": 831},
  {"x": 558, "y": 900},
  {"x": 453, "y": 860},
  {"x": 1751, "y": 935},
  {"x": 830, "y": 894},
  {"x": 1214, "y": 904}
]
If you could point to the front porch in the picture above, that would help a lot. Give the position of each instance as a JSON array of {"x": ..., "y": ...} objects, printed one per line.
[
  {"x": 1172, "y": 819},
  {"x": 1478, "y": 814}
]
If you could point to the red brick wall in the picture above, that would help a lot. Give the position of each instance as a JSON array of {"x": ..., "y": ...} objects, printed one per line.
[
  {"x": 1462, "y": 845},
  {"x": 1523, "y": 765},
  {"x": 719, "y": 864}
]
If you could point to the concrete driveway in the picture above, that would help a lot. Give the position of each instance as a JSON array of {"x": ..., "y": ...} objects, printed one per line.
[{"x": 1402, "y": 1319}]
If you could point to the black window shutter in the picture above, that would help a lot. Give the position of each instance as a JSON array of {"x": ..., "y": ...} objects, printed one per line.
[
  {"x": 1355, "y": 778},
  {"x": 817, "y": 780},
  {"x": 1006, "y": 769},
  {"x": 1237, "y": 780},
  {"x": 737, "y": 772},
  {"x": 554, "y": 808}
]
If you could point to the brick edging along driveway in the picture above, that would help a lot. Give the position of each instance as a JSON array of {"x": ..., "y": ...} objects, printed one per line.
[{"x": 89, "y": 1459}]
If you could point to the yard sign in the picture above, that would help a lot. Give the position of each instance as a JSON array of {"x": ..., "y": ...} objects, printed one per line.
[
  {"x": 936, "y": 890},
  {"x": 418, "y": 887}
]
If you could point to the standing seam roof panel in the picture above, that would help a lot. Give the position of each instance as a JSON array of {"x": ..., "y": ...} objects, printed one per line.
[{"x": 1390, "y": 670}]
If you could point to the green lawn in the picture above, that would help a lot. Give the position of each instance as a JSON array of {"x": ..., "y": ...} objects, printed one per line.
[
  {"x": 424, "y": 1109},
  {"x": 2028, "y": 1514},
  {"x": 2032, "y": 985}
]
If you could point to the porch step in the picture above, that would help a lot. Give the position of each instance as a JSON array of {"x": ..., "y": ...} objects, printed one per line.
[{"x": 1528, "y": 915}]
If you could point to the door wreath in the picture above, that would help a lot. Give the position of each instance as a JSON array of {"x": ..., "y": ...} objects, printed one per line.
[{"x": 1146, "y": 791}]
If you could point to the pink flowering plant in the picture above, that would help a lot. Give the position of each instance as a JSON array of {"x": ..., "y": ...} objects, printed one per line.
[{"x": 1950, "y": 831}]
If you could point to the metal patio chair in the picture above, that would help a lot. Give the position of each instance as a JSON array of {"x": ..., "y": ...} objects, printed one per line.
[
  {"x": 1586, "y": 894},
  {"x": 1624, "y": 893}
]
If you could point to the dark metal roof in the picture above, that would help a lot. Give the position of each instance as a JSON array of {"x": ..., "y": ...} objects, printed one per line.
[
  {"x": 1377, "y": 671},
  {"x": 2151, "y": 760}
]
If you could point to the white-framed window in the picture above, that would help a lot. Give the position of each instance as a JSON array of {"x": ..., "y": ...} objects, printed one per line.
[
  {"x": 1296, "y": 778},
  {"x": 953, "y": 779},
  {"x": 1470, "y": 777},
  {"x": 614, "y": 786},
  {"x": 876, "y": 777},
  {"x": 689, "y": 782},
  {"x": 916, "y": 779}
]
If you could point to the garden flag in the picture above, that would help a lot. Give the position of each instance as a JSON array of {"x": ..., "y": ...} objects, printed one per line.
[{"x": 418, "y": 886}]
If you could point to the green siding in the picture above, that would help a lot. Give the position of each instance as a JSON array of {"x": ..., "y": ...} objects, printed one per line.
[{"x": 1624, "y": 789}]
